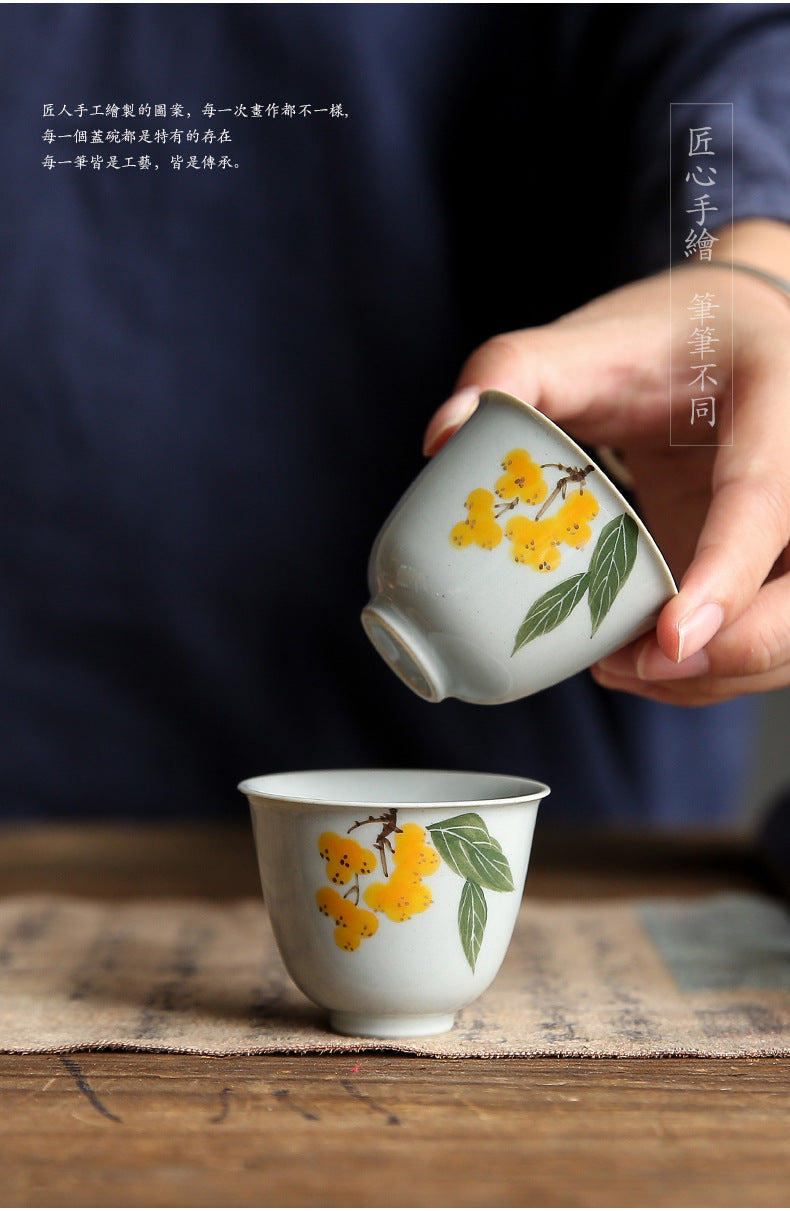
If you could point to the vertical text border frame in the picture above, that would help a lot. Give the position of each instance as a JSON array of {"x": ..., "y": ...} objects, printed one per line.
[{"x": 697, "y": 106}]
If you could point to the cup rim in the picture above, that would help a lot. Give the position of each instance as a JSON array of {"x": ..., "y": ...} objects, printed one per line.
[
  {"x": 524, "y": 790},
  {"x": 493, "y": 395}
]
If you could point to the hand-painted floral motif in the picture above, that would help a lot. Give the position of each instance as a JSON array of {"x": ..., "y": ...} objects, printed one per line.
[
  {"x": 535, "y": 540},
  {"x": 408, "y": 855}
]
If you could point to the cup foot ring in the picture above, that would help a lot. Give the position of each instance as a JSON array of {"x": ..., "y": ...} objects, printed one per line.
[
  {"x": 391, "y": 1026},
  {"x": 401, "y": 644}
]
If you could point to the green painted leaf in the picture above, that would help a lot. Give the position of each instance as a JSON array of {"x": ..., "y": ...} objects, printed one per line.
[
  {"x": 551, "y": 609},
  {"x": 472, "y": 917},
  {"x": 469, "y": 849},
  {"x": 610, "y": 565}
]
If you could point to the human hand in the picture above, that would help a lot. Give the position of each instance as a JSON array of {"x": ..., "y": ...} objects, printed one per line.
[{"x": 721, "y": 514}]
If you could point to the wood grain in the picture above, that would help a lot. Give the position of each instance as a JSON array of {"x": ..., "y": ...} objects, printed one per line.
[{"x": 135, "y": 1130}]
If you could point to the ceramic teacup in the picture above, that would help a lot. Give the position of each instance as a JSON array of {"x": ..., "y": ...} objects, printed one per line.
[
  {"x": 392, "y": 893},
  {"x": 511, "y": 563}
]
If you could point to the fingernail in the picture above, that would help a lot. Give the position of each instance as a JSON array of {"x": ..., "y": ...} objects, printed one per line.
[
  {"x": 698, "y": 629},
  {"x": 452, "y": 414},
  {"x": 653, "y": 665}
]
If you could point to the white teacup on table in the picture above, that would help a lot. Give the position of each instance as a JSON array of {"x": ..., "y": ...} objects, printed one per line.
[
  {"x": 392, "y": 893},
  {"x": 510, "y": 563}
]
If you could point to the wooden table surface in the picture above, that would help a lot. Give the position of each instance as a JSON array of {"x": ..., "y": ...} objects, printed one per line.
[{"x": 120, "y": 1129}]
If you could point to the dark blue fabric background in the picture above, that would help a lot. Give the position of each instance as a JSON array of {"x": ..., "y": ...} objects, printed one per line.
[{"x": 214, "y": 384}]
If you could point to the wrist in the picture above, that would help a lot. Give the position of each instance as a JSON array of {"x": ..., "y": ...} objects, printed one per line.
[
  {"x": 762, "y": 275},
  {"x": 761, "y": 244}
]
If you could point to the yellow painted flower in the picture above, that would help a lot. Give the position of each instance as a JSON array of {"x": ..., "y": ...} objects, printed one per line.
[
  {"x": 329, "y": 901},
  {"x": 533, "y": 540},
  {"x": 347, "y": 939},
  {"x": 486, "y": 532},
  {"x": 577, "y": 510},
  {"x": 413, "y": 854},
  {"x": 523, "y": 478},
  {"x": 352, "y": 923},
  {"x": 480, "y": 502},
  {"x": 400, "y": 897},
  {"x": 462, "y": 534},
  {"x": 480, "y": 526},
  {"x": 344, "y": 857}
]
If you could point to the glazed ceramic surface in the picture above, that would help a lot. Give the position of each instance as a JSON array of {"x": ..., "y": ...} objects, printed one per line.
[
  {"x": 392, "y": 893},
  {"x": 511, "y": 563}
]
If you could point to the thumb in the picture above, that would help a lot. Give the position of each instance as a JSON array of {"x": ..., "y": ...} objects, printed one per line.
[
  {"x": 601, "y": 370},
  {"x": 502, "y": 364}
]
